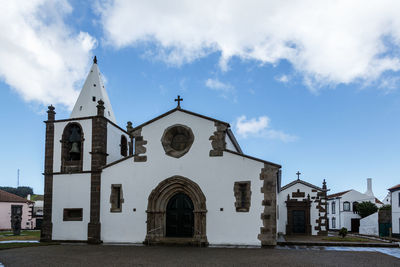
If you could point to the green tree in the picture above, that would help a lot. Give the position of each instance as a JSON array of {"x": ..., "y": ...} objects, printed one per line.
[
  {"x": 366, "y": 208},
  {"x": 386, "y": 207},
  {"x": 21, "y": 191}
]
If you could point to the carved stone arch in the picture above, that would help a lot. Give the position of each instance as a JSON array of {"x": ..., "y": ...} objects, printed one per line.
[
  {"x": 157, "y": 204},
  {"x": 69, "y": 164}
]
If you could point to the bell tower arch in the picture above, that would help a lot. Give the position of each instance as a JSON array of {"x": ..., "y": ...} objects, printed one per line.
[{"x": 72, "y": 148}]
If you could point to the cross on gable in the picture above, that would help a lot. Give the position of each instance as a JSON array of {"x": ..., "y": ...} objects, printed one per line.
[
  {"x": 179, "y": 99},
  {"x": 298, "y": 175}
]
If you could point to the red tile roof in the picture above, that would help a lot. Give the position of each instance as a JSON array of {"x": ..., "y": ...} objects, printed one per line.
[
  {"x": 394, "y": 188},
  {"x": 378, "y": 201},
  {"x": 338, "y": 194},
  {"x": 8, "y": 197}
]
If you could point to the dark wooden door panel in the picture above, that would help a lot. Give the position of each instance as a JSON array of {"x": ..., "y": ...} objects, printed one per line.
[{"x": 180, "y": 218}]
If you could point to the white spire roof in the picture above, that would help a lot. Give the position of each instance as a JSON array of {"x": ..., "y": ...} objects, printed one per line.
[{"x": 92, "y": 91}]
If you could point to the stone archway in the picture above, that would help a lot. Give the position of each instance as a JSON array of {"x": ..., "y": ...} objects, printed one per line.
[{"x": 157, "y": 205}]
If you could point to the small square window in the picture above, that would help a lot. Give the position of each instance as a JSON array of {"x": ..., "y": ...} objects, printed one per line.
[{"x": 72, "y": 215}]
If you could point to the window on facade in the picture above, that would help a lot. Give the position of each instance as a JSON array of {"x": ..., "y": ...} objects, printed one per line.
[
  {"x": 346, "y": 206},
  {"x": 116, "y": 199},
  {"x": 333, "y": 207},
  {"x": 327, "y": 208},
  {"x": 72, "y": 148},
  {"x": 243, "y": 196},
  {"x": 72, "y": 215},
  {"x": 355, "y": 207},
  {"x": 399, "y": 200},
  {"x": 124, "y": 146},
  {"x": 333, "y": 222}
]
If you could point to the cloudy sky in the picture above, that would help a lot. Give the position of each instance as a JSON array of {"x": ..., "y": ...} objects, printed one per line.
[{"x": 311, "y": 85}]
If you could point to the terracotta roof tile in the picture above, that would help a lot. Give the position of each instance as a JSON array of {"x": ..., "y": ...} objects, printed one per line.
[
  {"x": 394, "y": 188},
  {"x": 378, "y": 201},
  {"x": 338, "y": 194},
  {"x": 8, "y": 197}
]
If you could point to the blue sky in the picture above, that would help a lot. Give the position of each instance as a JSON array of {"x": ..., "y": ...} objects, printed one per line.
[{"x": 298, "y": 86}]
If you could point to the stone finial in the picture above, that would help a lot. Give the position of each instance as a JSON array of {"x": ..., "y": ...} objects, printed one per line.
[
  {"x": 324, "y": 185},
  {"x": 95, "y": 60},
  {"x": 100, "y": 108},
  {"x": 51, "y": 114},
  {"x": 129, "y": 127}
]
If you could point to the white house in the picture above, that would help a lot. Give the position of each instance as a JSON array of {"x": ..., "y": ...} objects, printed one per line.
[
  {"x": 302, "y": 209},
  {"x": 178, "y": 178},
  {"x": 342, "y": 208},
  {"x": 395, "y": 202}
]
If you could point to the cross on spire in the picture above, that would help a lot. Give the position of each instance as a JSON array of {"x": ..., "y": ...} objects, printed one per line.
[
  {"x": 179, "y": 99},
  {"x": 298, "y": 175}
]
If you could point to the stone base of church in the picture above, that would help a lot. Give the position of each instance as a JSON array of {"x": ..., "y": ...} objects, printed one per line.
[{"x": 177, "y": 241}]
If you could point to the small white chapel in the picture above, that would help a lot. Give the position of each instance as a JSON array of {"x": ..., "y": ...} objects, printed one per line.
[{"x": 178, "y": 178}]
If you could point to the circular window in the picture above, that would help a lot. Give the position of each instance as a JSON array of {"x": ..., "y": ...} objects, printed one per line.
[{"x": 177, "y": 140}]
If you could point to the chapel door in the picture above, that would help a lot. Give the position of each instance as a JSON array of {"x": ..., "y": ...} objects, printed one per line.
[
  {"x": 355, "y": 225},
  {"x": 299, "y": 222},
  {"x": 180, "y": 218}
]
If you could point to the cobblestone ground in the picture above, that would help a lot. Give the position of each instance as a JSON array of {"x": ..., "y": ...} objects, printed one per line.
[{"x": 106, "y": 255}]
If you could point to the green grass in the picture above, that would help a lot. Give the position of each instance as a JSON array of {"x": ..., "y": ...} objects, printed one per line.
[
  {"x": 24, "y": 245},
  {"x": 25, "y": 235},
  {"x": 346, "y": 239}
]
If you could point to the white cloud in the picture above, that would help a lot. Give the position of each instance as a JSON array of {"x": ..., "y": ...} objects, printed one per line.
[
  {"x": 259, "y": 127},
  {"x": 225, "y": 89},
  {"x": 41, "y": 58},
  {"x": 328, "y": 42},
  {"x": 215, "y": 84},
  {"x": 283, "y": 78}
]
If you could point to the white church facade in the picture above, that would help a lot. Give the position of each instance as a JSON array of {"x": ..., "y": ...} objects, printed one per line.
[
  {"x": 178, "y": 178},
  {"x": 302, "y": 208}
]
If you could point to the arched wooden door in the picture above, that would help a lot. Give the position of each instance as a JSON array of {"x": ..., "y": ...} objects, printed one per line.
[{"x": 180, "y": 217}]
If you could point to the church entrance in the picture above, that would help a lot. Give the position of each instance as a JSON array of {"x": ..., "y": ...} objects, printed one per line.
[
  {"x": 298, "y": 217},
  {"x": 180, "y": 219},
  {"x": 299, "y": 222},
  {"x": 176, "y": 213}
]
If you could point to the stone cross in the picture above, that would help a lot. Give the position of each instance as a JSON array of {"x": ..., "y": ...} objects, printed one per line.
[
  {"x": 179, "y": 99},
  {"x": 298, "y": 175}
]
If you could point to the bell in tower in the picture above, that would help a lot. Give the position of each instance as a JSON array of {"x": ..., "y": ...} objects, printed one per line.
[{"x": 75, "y": 141}]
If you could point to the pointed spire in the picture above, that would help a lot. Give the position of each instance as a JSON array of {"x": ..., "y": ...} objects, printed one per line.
[{"x": 92, "y": 91}]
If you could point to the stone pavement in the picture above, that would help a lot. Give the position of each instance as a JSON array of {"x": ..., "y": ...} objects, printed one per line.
[{"x": 113, "y": 255}]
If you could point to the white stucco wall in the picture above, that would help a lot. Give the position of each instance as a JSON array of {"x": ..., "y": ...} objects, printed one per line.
[
  {"x": 5, "y": 215},
  {"x": 369, "y": 225},
  {"x": 396, "y": 212},
  {"x": 87, "y": 144},
  {"x": 114, "y": 143},
  {"x": 214, "y": 175},
  {"x": 70, "y": 191},
  {"x": 314, "y": 212}
]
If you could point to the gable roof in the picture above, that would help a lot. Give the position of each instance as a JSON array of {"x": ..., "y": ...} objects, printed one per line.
[
  {"x": 394, "y": 188},
  {"x": 338, "y": 194},
  {"x": 9, "y": 197},
  {"x": 378, "y": 201},
  {"x": 182, "y": 110},
  {"x": 297, "y": 181}
]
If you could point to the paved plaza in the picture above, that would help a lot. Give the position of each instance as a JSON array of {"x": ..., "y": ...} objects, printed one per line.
[{"x": 113, "y": 255}]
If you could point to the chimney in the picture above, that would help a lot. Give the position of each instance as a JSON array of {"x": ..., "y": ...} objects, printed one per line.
[{"x": 369, "y": 187}]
